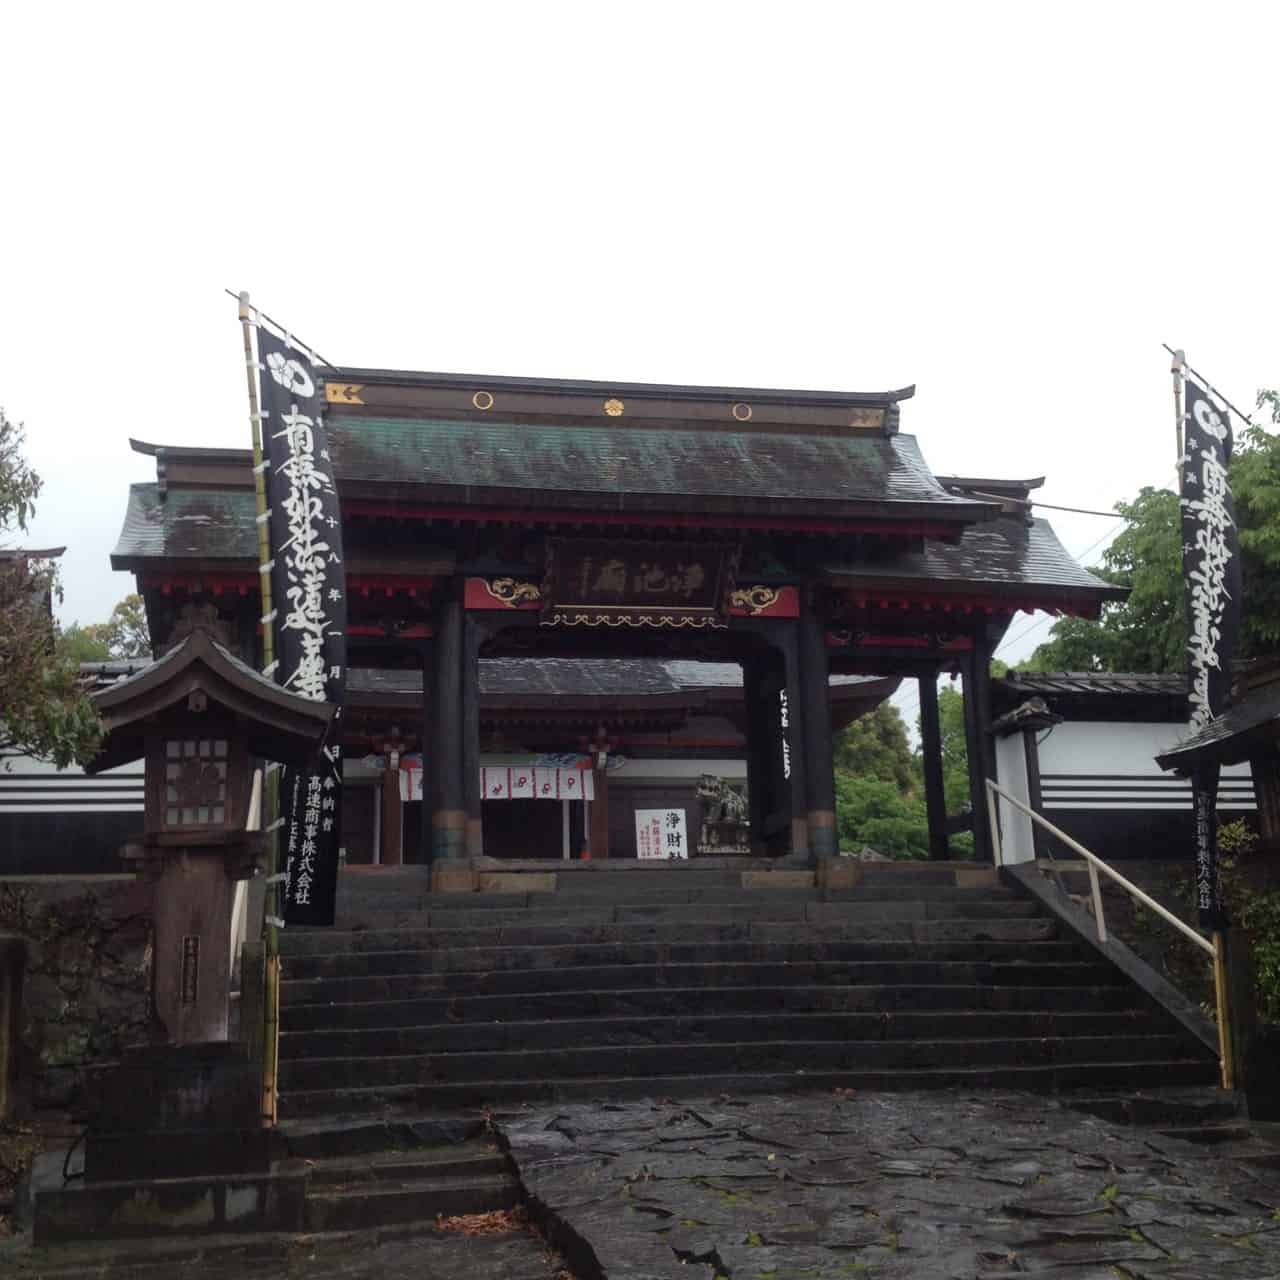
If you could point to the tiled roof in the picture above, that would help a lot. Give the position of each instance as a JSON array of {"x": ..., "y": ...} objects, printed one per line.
[
  {"x": 1232, "y": 737},
  {"x": 1008, "y": 555},
  {"x": 198, "y": 524},
  {"x": 601, "y": 677},
  {"x": 1084, "y": 683}
]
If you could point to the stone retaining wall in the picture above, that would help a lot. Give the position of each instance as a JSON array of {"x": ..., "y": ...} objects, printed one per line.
[{"x": 88, "y": 945}]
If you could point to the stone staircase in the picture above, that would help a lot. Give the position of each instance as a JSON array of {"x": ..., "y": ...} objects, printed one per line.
[
  {"x": 379, "y": 1173},
  {"x": 628, "y": 980}
]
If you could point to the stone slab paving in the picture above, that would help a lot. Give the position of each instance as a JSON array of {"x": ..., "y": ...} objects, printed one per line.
[{"x": 846, "y": 1186}]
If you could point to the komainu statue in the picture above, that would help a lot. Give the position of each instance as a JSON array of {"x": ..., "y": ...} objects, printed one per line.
[{"x": 726, "y": 828}]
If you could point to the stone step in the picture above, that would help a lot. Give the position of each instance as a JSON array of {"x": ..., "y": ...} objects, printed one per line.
[
  {"x": 343, "y": 1138},
  {"x": 1041, "y": 1077},
  {"x": 672, "y": 1001},
  {"x": 378, "y": 1204},
  {"x": 1162, "y": 1107},
  {"x": 413, "y": 936},
  {"x": 809, "y": 944},
  {"x": 490, "y": 979},
  {"x": 340, "y": 1041},
  {"x": 721, "y": 908},
  {"x": 521, "y": 946},
  {"x": 718, "y": 1058},
  {"x": 467, "y": 1160}
]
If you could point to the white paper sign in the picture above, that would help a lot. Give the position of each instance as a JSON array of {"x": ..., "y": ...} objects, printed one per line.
[{"x": 660, "y": 833}]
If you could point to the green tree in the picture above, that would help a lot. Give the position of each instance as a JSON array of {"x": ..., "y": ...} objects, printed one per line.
[
  {"x": 80, "y": 644},
  {"x": 955, "y": 752},
  {"x": 875, "y": 746},
  {"x": 123, "y": 635},
  {"x": 1146, "y": 633},
  {"x": 872, "y": 811},
  {"x": 1255, "y": 483},
  {"x": 46, "y": 712},
  {"x": 880, "y": 782}
]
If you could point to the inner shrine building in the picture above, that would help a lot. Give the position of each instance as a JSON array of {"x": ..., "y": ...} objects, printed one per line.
[{"x": 748, "y": 568}]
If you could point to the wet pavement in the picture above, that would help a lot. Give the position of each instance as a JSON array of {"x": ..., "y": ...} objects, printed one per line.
[
  {"x": 804, "y": 1186},
  {"x": 837, "y": 1186}
]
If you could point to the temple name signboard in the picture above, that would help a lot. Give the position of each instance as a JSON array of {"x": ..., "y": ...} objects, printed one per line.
[
  {"x": 656, "y": 584},
  {"x": 660, "y": 833}
]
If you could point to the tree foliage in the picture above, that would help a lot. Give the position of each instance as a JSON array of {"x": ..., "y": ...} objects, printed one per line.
[
  {"x": 876, "y": 745},
  {"x": 880, "y": 781},
  {"x": 44, "y": 708},
  {"x": 1147, "y": 632},
  {"x": 124, "y": 635}
]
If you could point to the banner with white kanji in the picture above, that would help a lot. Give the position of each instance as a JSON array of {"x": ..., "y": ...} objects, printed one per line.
[
  {"x": 308, "y": 588},
  {"x": 1212, "y": 574}
]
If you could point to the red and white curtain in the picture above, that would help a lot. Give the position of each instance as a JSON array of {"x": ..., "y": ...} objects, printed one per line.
[{"x": 512, "y": 782}]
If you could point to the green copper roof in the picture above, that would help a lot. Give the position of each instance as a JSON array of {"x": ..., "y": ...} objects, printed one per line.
[{"x": 643, "y": 467}]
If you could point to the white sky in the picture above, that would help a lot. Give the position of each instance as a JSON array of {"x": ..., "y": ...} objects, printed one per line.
[{"x": 1010, "y": 205}]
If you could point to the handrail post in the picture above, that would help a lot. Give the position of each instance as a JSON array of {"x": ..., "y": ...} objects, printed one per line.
[
  {"x": 1220, "y": 996},
  {"x": 997, "y": 852},
  {"x": 1099, "y": 918}
]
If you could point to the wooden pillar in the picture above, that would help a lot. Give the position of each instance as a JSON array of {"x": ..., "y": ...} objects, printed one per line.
[
  {"x": 819, "y": 758},
  {"x": 791, "y": 722},
  {"x": 391, "y": 853},
  {"x": 598, "y": 842},
  {"x": 471, "y": 737},
  {"x": 426, "y": 847},
  {"x": 980, "y": 748},
  {"x": 935, "y": 800},
  {"x": 449, "y": 817},
  {"x": 1035, "y": 796}
]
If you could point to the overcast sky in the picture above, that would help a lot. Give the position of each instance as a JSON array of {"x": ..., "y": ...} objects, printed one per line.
[{"x": 1009, "y": 205}]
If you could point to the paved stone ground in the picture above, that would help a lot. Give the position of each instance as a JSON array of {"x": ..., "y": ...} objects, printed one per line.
[{"x": 881, "y": 1186}]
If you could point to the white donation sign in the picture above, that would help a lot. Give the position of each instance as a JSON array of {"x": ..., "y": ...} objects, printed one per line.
[{"x": 660, "y": 833}]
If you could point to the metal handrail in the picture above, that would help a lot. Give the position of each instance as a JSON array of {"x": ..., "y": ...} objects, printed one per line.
[{"x": 1213, "y": 946}]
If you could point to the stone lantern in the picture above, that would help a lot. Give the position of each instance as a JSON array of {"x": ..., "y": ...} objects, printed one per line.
[
  {"x": 199, "y": 716},
  {"x": 187, "y": 1107}
]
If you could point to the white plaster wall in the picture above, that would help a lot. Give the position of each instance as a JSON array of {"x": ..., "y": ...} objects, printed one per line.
[
  {"x": 1094, "y": 764},
  {"x": 1016, "y": 843}
]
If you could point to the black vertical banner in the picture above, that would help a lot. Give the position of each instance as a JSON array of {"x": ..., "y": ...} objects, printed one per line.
[
  {"x": 1210, "y": 556},
  {"x": 1204, "y": 793},
  {"x": 308, "y": 587},
  {"x": 1211, "y": 569}
]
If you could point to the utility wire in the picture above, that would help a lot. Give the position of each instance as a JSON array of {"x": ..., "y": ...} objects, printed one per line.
[
  {"x": 287, "y": 334},
  {"x": 1244, "y": 417}
]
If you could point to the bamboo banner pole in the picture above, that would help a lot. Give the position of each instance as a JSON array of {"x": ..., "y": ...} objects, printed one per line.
[
  {"x": 1179, "y": 362},
  {"x": 271, "y": 937},
  {"x": 1224, "y": 1011}
]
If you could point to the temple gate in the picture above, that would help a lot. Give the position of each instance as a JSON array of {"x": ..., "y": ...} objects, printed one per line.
[{"x": 799, "y": 535}]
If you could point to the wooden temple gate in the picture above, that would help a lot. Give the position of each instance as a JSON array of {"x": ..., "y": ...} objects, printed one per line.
[{"x": 799, "y": 535}]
